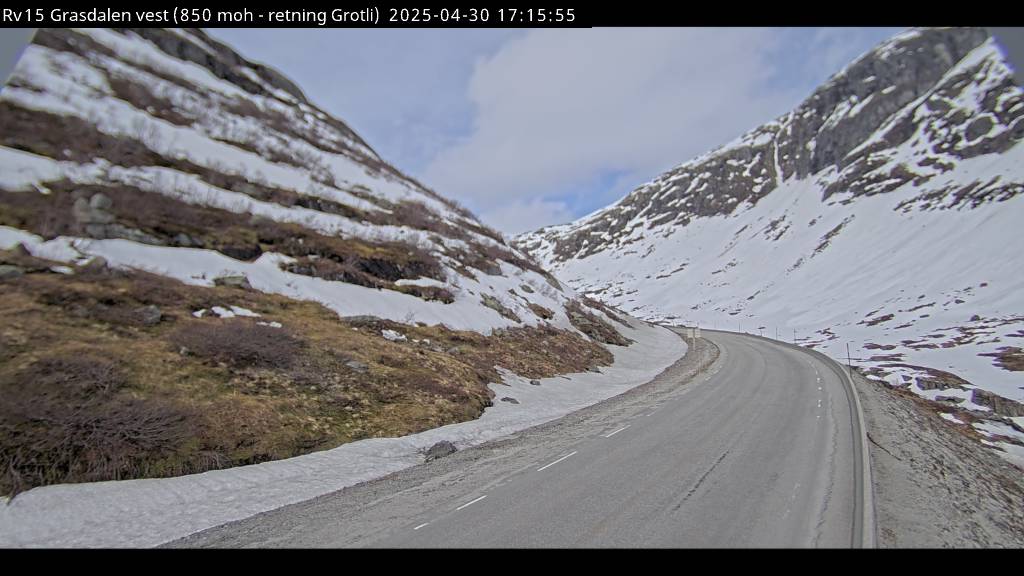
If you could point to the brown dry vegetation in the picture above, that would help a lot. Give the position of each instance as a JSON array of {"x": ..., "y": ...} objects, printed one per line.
[
  {"x": 139, "y": 95},
  {"x": 594, "y": 327},
  {"x": 1008, "y": 358},
  {"x": 240, "y": 236},
  {"x": 69, "y": 138},
  {"x": 877, "y": 321},
  {"x": 94, "y": 389}
]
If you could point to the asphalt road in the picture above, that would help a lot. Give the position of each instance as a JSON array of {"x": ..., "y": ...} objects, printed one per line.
[{"x": 763, "y": 451}]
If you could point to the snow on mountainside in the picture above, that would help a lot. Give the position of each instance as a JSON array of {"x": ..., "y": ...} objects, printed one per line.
[
  {"x": 176, "y": 114},
  {"x": 882, "y": 212},
  {"x": 202, "y": 269}
]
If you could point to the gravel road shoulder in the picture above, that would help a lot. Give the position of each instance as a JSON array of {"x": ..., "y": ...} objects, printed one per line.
[{"x": 934, "y": 485}]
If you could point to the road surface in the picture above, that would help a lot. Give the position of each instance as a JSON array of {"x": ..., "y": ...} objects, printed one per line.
[{"x": 762, "y": 450}]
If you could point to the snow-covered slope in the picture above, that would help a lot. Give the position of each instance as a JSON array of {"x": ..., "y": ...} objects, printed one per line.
[
  {"x": 131, "y": 160},
  {"x": 234, "y": 160},
  {"x": 883, "y": 212}
]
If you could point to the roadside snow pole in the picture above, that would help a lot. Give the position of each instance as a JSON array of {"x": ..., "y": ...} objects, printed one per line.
[{"x": 849, "y": 360}]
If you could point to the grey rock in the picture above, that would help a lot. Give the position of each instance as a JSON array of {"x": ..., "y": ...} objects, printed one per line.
[
  {"x": 440, "y": 450},
  {"x": 357, "y": 366},
  {"x": 978, "y": 128},
  {"x": 81, "y": 211},
  {"x": 998, "y": 404},
  {"x": 454, "y": 351},
  {"x": 100, "y": 202},
  {"x": 362, "y": 320},
  {"x": 535, "y": 382},
  {"x": 510, "y": 400},
  {"x": 9, "y": 272},
  {"x": 96, "y": 264},
  {"x": 149, "y": 315},
  {"x": 233, "y": 282}
]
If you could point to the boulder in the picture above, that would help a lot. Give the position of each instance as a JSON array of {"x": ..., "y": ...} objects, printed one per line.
[
  {"x": 440, "y": 450},
  {"x": 998, "y": 404},
  {"x": 510, "y": 400},
  {"x": 149, "y": 315},
  {"x": 9, "y": 272},
  {"x": 95, "y": 264},
  {"x": 357, "y": 366},
  {"x": 233, "y": 282}
]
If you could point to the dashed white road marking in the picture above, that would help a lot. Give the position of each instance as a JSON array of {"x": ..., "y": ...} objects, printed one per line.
[
  {"x": 472, "y": 502},
  {"x": 421, "y": 526},
  {"x": 617, "y": 431},
  {"x": 542, "y": 468}
]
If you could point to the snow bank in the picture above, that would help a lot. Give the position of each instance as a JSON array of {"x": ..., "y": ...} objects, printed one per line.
[{"x": 141, "y": 513}]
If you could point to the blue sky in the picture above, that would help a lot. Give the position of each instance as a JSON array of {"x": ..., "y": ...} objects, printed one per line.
[{"x": 535, "y": 127}]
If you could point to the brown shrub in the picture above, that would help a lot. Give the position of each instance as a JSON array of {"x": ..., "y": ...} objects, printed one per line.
[
  {"x": 141, "y": 97},
  {"x": 541, "y": 311},
  {"x": 239, "y": 343},
  {"x": 496, "y": 305},
  {"x": 430, "y": 293},
  {"x": 65, "y": 420},
  {"x": 598, "y": 305},
  {"x": 594, "y": 327}
]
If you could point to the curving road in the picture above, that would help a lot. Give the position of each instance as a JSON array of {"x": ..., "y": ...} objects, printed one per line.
[{"x": 763, "y": 450}]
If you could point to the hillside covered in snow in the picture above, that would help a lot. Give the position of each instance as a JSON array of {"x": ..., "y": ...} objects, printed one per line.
[
  {"x": 201, "y": 268},
  {"x": 882, "y": 213}
]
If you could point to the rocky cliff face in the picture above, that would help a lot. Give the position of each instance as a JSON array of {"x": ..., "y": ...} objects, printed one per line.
[
  {"x": 905, "y": 113},
  {"x": 880, "y": 213}
]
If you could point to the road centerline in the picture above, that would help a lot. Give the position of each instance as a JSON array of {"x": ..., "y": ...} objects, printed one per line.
[
  {"x": 542, "y": 468},
  {"x": 471, "y": 502},
  {"x": 617, "y": 431}
]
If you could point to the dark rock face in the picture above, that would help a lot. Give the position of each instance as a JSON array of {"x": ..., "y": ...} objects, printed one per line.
[
  {"x": 440, "y": 450},
  {"x": 902, "y": 93},
  {"x": 1001, "y": 406},
  {"x": 510, "y": 400}
]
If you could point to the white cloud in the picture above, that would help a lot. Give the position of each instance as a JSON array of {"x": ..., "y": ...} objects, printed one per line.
[
  {"x": 556, "y": 109},
  {"x": 558, "y": 106},
  {"x": 560, "y": 122},
  {"x": 519, "y": 216}
]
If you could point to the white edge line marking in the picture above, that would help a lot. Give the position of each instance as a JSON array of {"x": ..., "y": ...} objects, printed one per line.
[
  {"x": 473, "y": 502},
  {"x": 542, "y": 468},
  {"x": 617, "y": 431},
  {"x": 421, "y": 526}
]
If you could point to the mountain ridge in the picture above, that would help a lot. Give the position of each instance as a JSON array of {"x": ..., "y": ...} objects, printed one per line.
[{"x": 876, "y": 213}]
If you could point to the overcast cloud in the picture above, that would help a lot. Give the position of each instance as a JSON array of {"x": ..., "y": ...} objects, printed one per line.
[{"x": 530, "y": 128}]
